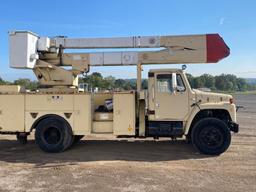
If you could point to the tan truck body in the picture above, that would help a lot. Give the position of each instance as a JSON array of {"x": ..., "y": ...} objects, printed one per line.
[
  {"x": 61, "y": 115},
  {"x": 20, "y": 112}
]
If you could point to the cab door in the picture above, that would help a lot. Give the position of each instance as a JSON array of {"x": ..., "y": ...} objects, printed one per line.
[{"x": 172, "y": 105}]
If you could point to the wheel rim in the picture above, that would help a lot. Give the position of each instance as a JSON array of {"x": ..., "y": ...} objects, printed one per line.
[
  {"x": 52, "y": 136},
  {"x": 211, "y": 137}
]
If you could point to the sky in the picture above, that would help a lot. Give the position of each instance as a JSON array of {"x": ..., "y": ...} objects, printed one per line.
[{"x": 234, "y": 20}]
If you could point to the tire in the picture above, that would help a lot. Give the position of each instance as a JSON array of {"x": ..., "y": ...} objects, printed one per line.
[
  {"x": 211, "y": 136},
  {"x": 53, "y": 134}
]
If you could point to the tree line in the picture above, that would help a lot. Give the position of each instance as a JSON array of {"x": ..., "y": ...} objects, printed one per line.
[
  {"x": 27, "y": 83},
  {"x": 110, "y": 83},
  {"x": 223, "y": 82}
]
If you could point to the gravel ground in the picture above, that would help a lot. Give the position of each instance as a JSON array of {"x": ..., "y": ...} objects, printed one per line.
[{"x": 100, "y": 163}]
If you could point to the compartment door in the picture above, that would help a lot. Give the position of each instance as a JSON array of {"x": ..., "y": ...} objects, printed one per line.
[
  {"x": 12, "y": 113},
  {"x": 124, "y": 113}
]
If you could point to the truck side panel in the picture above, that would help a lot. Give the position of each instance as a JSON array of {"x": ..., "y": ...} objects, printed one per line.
[
  {"x": 82, "y": 114},
  {"x": 37, "y": 106},
  {"x": 12, "y": 113},
  {"x": 49, "y": 102},
  {"x": 124, "y": 114}
]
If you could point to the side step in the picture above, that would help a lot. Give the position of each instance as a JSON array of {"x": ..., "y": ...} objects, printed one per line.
[{"x": 164, "y": 128}]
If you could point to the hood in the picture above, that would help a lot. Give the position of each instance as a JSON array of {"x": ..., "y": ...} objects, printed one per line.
[{"x": 208, "y": 97}]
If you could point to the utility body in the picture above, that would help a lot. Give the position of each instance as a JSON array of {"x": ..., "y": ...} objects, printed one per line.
[{"x": 60, "y": 114}]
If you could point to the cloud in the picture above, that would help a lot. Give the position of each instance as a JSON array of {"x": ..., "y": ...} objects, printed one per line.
[{"x": 221, "y": 22}]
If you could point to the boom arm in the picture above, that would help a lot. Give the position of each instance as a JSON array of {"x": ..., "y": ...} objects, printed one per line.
[
  {"x": 176, "y": 49},
  {"x": 47, "y": 56}
]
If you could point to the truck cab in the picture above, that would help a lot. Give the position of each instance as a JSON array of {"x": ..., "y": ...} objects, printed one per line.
[
  {"x": 169, "y": 93},
  {"x": 175, "y": 109}
]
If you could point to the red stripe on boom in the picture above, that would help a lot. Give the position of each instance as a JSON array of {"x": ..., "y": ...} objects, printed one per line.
[{"x": 216, "y": 48}]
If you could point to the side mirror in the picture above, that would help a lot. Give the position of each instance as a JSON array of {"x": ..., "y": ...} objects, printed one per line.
[{"x": 174, "y": 82}]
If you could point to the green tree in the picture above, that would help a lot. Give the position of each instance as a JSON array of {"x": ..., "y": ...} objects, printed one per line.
[
  {"x": 119, "y": 83},
  {"x": 94, "y": 80},
  {"x": 199, "y": 82},
  {"x": 231, "y": 82},
  {"x": 229, "y": 86},
  {"x": 190, "y": 80},
  {"x": 220, "y": 82},
  {"x": 242, "y": 85},
  {"x": 2, "y": 82},
  {"x": 27, "y": 83},
  {"x": 109, "y": 82},
  {"x": 208, "y": 80}
]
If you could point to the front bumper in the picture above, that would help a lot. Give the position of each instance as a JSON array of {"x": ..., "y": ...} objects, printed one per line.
[{"x": 234, "y": 127}]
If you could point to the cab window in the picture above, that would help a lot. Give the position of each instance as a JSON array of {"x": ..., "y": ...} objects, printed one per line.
[
  {"x": 180, "y": 84},
  {"x": 164, "y": 83}
]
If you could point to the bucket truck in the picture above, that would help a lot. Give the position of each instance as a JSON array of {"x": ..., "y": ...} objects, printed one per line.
[{"x": 60, "y": 114}]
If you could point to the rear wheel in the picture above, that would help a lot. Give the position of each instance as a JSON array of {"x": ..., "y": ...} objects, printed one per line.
[
  {"x": 211, "y": 136},
  {"x": 53, "y": 134}
]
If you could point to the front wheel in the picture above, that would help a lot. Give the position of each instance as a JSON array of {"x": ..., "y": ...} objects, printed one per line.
[{"x": 211, "y": 136}]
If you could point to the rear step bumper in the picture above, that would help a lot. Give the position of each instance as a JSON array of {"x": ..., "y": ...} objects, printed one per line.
[{"x": 234, "y": 127}]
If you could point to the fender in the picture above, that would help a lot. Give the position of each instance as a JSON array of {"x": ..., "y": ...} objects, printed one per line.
[
  {"x": 32, "y": 122},
  {"x": 230, "y": 108}
]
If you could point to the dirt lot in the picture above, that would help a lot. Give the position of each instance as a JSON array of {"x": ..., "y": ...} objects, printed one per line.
[{"x": 101, "y": 164}]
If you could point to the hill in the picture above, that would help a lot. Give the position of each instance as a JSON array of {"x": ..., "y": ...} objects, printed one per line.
[{"x": 251, "y": 81}]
